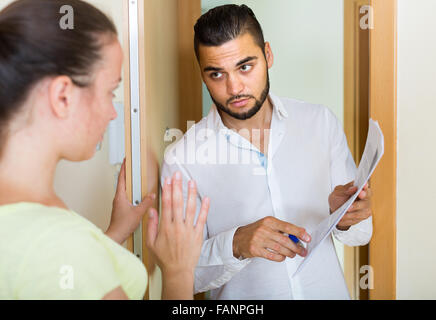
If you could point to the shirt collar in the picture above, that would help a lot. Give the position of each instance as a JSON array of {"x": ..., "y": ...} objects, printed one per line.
[{"x": 278, "y": 108}]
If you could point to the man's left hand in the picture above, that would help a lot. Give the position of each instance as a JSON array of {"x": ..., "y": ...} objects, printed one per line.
[{"x": 360, "y": 209}]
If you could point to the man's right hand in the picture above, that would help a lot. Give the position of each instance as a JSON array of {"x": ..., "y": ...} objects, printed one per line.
[{"x": 265, "y": 239}]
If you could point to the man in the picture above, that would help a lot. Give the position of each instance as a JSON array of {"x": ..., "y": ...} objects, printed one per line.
[{"x": 270, "y": 166}]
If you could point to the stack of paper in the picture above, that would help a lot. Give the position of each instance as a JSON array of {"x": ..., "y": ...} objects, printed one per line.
[{"x": 372, "y": 154}]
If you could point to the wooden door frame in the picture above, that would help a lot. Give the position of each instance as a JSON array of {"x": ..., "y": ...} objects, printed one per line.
[
  {"x": 382, "y": 107},
  {"x": 354, "y": 126},
  {"x": 127, "y": 119},
  {"x": 146, "y": 259},
  {"x": 190, "y": 83},
  {"x": 189, "y": 100}
]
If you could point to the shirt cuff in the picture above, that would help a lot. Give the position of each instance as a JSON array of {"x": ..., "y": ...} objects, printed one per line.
[
  {"x": 357, "y": 235},
  {"x": 227, "y": 249},
  {"x": 207, "y": 279}
]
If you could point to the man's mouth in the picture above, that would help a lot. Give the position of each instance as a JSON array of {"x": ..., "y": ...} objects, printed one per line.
[{"x": 240, "y": 103}]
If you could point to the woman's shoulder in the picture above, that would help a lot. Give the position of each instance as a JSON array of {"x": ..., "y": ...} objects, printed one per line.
[
  {"x": 35, "y": 231},
  {"x": 27, "y": 222},
  {"x": 48, "y": 243}
]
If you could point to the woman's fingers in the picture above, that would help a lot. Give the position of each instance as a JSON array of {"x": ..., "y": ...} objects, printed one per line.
[
  {"x": 167, "y": 201},
  {"x": 121, "y": 184},
  {"x": 146, "y": 203},
  {"x": 176, "y": 242},
  {"x": 152, "y": 227},
  {"x": 173, "y": 203},
  {"x": 202, "y": 216},
  {"x": 177, "y": 197},
  {"x": 191, "y": 204}
]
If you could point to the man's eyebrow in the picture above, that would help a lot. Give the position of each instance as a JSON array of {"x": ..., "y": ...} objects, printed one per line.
[
  {"x": 245, "y": 60},
  {"x": 209, "y": 68}
]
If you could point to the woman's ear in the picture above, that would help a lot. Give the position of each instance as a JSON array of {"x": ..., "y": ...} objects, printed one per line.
[
  {"x": 61, "y": 96},
  {"x": 269, "y": 55}
]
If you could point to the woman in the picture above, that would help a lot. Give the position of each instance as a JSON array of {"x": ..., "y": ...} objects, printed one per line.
[{"x": 56, "y": 91}]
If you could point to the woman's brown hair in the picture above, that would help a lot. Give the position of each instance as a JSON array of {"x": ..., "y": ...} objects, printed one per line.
[{"x": 33, "y": 45}]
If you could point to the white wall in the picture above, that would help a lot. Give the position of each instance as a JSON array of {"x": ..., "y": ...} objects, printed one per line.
[{"x": 416, "y": 213}]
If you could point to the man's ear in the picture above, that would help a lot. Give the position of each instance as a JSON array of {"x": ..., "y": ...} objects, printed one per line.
[
  {"x": 269, "y": 55},
  {"x": 61, "y": 96}
]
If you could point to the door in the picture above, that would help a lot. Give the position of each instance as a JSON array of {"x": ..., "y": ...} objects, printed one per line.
[
  {"x": 358, "y": 20},
  {"x": 158, "y": 97}
]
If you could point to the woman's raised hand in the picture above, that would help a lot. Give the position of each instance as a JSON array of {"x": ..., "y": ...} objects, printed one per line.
[
  {"x": 176, "y": 242},
  {"x": 126, "y": 216}
]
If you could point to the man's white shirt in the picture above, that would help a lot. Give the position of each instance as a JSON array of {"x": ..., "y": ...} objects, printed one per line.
[{"x": 307, "y": 157}]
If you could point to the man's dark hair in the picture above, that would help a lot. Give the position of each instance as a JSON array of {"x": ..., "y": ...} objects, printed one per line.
[{"x": 224, "y": 23}]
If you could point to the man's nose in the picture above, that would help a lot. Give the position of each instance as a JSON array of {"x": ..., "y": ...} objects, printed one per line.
[{"x": 234, "y": 85}]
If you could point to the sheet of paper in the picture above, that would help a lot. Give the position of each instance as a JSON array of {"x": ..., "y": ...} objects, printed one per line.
[{"x": 372, "y": 154}]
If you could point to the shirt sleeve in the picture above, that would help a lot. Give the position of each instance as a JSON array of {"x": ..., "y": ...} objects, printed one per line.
[
  {"x": 216, "y": 264},
  {"x": 66, "y": 262},
  {"x": 342, "y": 171}
]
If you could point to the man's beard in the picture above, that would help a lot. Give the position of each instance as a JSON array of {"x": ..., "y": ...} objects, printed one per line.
[{"x": 250, "y": 113}]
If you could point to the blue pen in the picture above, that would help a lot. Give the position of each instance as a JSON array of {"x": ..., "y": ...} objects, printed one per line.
[{"x": 294, "y": 238}]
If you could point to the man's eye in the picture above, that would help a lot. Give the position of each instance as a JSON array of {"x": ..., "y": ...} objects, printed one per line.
[
  {"x": 246, "y": 67},
  {"x": 216, "y": 75}
]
